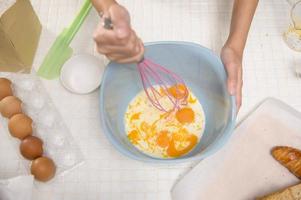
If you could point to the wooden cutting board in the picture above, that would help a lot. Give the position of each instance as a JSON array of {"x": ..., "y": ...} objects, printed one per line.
[{"x": 244, "y": 168}]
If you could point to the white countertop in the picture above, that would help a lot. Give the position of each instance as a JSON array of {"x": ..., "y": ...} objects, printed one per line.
[{"x": 107, "y": 175}]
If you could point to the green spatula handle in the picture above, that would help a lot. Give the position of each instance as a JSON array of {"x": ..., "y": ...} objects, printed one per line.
[{"x": 77, "y": 22}]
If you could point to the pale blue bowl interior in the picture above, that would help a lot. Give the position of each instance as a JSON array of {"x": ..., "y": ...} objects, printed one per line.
[{"x": 202, "y": 71}]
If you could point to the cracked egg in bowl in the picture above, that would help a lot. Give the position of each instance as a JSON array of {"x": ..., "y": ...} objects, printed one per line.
[
  {"x": 196, "y": 130},
  {"x": 164, "y": 134}
]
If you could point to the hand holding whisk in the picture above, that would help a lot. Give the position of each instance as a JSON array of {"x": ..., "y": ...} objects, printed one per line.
[{"x": 159, "y": 83}]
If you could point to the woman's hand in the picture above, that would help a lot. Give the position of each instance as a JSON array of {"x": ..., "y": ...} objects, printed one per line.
[
  {"x": 232, "y": 61},
  {"x": 232, "y": 52},
  {"x": 120, "y": 44}
]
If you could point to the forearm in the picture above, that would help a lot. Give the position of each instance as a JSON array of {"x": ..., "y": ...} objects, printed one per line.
[
  {"x": 242, "y": 15},
  {"x": 102, "y": 5}
]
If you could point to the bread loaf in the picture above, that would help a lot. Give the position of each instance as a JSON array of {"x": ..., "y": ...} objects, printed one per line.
[
  {"x": 289, "y": 157},
  {"x": 291, "y": 193}
]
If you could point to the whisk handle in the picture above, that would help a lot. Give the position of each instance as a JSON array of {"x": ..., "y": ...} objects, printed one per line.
[{"x": 107, "y": 23}]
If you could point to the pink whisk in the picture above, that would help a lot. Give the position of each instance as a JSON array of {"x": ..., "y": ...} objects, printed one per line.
[
  {"x": 155, "y": 77},
  {"x": 157, "y": 80}
]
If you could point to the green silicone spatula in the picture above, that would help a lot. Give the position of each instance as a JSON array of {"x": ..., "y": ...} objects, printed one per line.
[{"x": 60, "y": 50}]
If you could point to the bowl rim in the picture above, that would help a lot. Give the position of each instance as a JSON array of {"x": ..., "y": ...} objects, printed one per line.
[{"x": 211, "y": 149}]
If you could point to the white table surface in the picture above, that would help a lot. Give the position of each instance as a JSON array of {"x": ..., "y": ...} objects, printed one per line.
[{"x": 107, "y": 175}]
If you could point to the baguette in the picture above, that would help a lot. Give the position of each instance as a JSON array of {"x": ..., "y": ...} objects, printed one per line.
[{"x": 289, "y": 157}]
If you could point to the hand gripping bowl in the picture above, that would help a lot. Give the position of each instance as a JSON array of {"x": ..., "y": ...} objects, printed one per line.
[{"x": 202, "y": 72}]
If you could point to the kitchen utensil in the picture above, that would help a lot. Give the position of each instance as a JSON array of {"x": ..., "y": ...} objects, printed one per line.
[
  {"x": 157, "y": 80},
  {"x": 60, "y": 50},
  {"x": 245, "y": 168},
  {"x": 205, "y": 76}
]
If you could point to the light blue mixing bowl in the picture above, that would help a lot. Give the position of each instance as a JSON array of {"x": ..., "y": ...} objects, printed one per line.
[{"x": 201, "y": 70}]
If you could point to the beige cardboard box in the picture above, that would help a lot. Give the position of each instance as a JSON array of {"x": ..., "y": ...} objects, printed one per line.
[{"x": 20, "y": 31}]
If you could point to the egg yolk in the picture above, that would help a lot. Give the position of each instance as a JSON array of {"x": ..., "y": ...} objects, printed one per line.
[
  {"x": 163, "y": 139},
  {"x": 178, "y": 91},
  {"x": 134, "y": 136},
  {"x": 172, "y": 151},
  {"x": 135, "y": 116},
  {"x": 185, "y": 115}
]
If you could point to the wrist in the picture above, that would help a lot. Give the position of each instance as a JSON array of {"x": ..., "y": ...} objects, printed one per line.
[
  {"x": 103, "y": 5},
  {"x": 235, "y": 46}
]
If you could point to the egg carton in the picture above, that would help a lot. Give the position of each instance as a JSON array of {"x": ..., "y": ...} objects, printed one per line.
[{"x": 58, "y": 143}]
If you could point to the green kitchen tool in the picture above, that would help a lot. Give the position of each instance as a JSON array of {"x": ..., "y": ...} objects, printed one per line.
[{"x": 60, "y": 50}]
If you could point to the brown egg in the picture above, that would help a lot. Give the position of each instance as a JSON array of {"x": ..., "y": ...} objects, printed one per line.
[
  {"x": 31, "y": 147},
  {"x": 20, "y": 126},
  {"x": 10, "y": 106},
  {"x": 43, "y": 169},
  {"x": 5, "y": 88}
]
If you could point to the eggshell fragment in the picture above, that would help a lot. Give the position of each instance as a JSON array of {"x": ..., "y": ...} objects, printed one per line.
[
  {"x": 31, "y": 147},
  {"x": 20, "y": 126},
  {"x": 43, "y": 169},
  {"x": 5, "y": 88},
  {"x": 10, "y": 106}
]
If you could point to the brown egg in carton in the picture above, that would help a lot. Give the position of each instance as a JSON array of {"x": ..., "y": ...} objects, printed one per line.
[
  {"x": 20, "y": 126},
  {"x": 44, "y": 164}
]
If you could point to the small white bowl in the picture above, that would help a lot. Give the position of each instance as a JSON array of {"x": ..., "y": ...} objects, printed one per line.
[{"x": 82, "y": 74}]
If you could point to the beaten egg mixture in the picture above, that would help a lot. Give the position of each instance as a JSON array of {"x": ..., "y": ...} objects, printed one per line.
[{"x": 164, "y": 135}]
